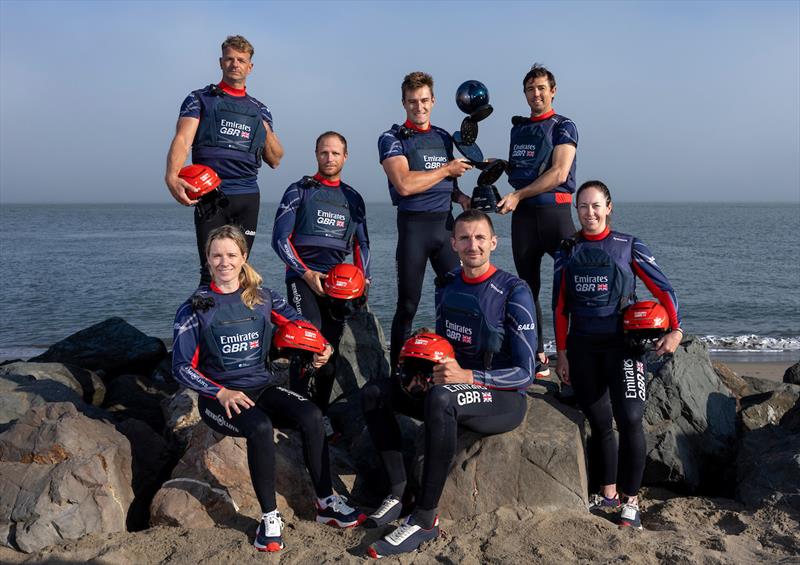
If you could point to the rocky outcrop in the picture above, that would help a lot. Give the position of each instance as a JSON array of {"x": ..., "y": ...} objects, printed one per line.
[
  {"x": 211, "y": 483},
  {"x": 540, "y": 465},
  {"x": 113, "y": 346},
  {"x": 768, "y": 408},
  {"x": 792, "y": 374},
  {"x": 62, "y": 476},
  {"x": 736, "y": 384},
  {"x": 86, "y": 383},
  {"x": 132, "y": 396},
  {"x": 690, "y": 422},
  {"x": 362, "y": 354},
  {"x": 768, "y": 463},
  {"x": 180, "y": 415}
]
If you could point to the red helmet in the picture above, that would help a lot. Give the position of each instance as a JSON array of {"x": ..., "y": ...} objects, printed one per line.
[
  {"x": 647, "y": 315},
  {"x": 345, "y": 282},
  {"x": 428, "y": 346},
  {"x": 200, "y": 176},
  {"x": 417, "y": 358},
  {"x": 299, "y": 334}
]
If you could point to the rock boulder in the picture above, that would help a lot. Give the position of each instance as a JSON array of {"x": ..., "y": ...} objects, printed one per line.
[
  {"x": 540, "y": 465},
  {"x": 792, "y": 374},
  {"x": 86, "y": 383},
  {"x": 62, "y": 476},
  {"x": 690, "y": 422},
  {"x": 113, "y": 346}
]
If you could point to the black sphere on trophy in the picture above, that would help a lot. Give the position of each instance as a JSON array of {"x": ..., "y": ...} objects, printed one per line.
[{"x": 472, "y": 98}]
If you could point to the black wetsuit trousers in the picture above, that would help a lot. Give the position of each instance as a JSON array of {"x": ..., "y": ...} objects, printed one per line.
[
  {"x": 609, "y": 382},
  {"x": 314, "y": 308},
  {"x": 443, "y": 409},
  {"x": 241, "y": 210},
  {"x": 282, "y": 408},
  {"x": 421, "y": 236},
  {"x": 536, "y": 230}
]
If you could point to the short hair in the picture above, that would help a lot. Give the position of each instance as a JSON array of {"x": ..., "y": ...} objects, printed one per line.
[
  {"x": 473, "y": 215},
  {"x": 538, "y": 71},
  {"x": 331, "y": 134},
  {"x": 415, "y": 80},
  {"x": 239, "y": 43}
]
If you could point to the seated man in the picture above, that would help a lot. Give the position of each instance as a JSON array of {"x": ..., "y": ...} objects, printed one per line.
[{"x": 488, "y": 317}]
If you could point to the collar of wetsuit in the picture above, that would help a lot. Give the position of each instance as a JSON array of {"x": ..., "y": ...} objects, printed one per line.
[
  {"x": 214, "y": 288},
  {"x": 543, "y": 116},
  {"x": 492, "y": 270},
  {"x": 598, "y": 236},
  {"x": 322, "y": 180},
  {"x": 411, "y": 125},
  {"x": 228, "y": 89}
]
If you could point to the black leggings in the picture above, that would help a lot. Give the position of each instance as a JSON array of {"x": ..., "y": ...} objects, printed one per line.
[
  {"x": 443, "y": 409},
  {"x": 420, "y": 236},
  {"x": 314, "y": 309},
  {"x": 284, "y": 409},
  {"x": 609, "y": 381},
  {"x": 241, "y": 211},
  {"x": 537, "y": 230}
]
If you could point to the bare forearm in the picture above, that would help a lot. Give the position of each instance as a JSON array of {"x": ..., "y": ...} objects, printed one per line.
[
  {"x": 416, "y": 182},
  {"x": 273, "y": 150},
  {"x": 176, "y": 157},
  {"x": 550, "y": 179}
]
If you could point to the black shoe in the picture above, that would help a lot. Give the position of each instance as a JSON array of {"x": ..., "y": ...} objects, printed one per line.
[
  {"x": 405, "y": 538},
  {"x": 389, "y": 511}
]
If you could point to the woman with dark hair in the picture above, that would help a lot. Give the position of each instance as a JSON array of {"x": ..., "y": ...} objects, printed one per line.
[
  {"x": 222, "y": 338},
  {"x": 594, "y": 281}
]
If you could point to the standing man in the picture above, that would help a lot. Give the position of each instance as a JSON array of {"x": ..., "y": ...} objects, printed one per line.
[
  {"x": 417, "y": 158},
  {"x": 319, "y": 222},
  {"x": 231, "y": 132},
  {"x": 541, "y": 168},
  {"x": 487, "y": 316}
]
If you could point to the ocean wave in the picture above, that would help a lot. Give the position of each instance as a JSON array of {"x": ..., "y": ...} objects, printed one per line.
[{"x": 735, "y": 344}]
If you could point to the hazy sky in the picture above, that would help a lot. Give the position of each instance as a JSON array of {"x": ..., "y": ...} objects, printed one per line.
[{"x": 674, "y": 101}]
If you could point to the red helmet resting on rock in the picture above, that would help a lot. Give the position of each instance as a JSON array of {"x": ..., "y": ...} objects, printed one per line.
[
  {"x": 417, "y": 357},
  {"x": 199, "y": 176},
  {"x": 299, "y": 334}
]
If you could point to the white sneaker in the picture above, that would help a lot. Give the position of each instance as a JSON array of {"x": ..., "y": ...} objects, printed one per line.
[{"x": 268, "y": 535}]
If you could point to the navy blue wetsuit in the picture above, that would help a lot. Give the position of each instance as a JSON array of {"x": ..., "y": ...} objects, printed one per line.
[
  {"x": 539, "y": 223},
  {"x": 230, "y": 139},
  {"x": 224, "y": 345},
  {"x": 594, "y": 279},
  {"x": 490, "y": 323},
  {"x": 424, "y": 220},
  {"x": 317, "y": 225}
]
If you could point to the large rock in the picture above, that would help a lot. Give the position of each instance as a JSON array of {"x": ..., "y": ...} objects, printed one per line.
[
  {"x": 113, "y": 346},
  {"x": 768, "y": 463},
  {"x": 792, "y": 374},
  {"x": 86, "y": 383},
  {"x": 132, "y": 396},
  {"x": 768, "y": 408},
  {"x": 690, "y": 422},
  {"x": 20, "y": 393},
  {"x": 362, "y": 354},
  {"x": 211, "y": 483},
  {"x": 736, "y": 384},
  {"x": 540, "y": 465},
  {"x": 62, "y": 476}
]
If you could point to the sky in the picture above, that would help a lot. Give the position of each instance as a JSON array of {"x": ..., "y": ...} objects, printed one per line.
[{"x": 674, "y": 101}]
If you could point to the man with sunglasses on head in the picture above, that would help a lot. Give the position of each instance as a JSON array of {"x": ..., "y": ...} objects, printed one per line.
[
  {"x": 319, "y": 222},
  {"x": 231, "y": 132},
  {"x": 417, "y": 158}
]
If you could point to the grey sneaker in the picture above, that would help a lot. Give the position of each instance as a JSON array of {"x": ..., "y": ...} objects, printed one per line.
[{"x": 389, "y": 511}]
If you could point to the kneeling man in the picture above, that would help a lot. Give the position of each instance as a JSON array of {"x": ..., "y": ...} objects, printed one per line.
[{"x": 488, "y": 316}]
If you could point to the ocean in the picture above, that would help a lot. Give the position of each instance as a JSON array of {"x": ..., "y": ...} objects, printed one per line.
[{"x": 735, "y": 268}]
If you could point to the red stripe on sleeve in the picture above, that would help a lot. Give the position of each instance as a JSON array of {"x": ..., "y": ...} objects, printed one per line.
[{"x": 661, "y": 295}]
